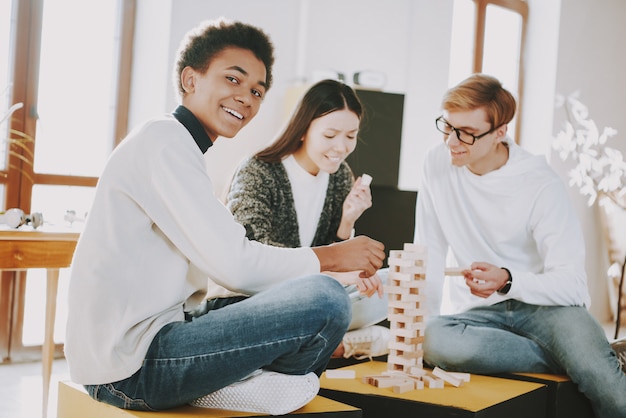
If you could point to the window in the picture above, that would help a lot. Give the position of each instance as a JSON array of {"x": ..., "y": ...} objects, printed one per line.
[
  {"x": 488, "y": 36},
  {"x": 71, "y": 74},
  {"x": 6, "y": 17}
]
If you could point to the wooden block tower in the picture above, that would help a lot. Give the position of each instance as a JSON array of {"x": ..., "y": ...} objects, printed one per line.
[
  {"x": 407, "y": 274},
  {"x": 405, "y": 289}
]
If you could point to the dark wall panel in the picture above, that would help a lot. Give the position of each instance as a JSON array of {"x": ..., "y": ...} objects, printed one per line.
[
  {"x": 391, "y": 219},
  {"x": 380, "y": 137}
]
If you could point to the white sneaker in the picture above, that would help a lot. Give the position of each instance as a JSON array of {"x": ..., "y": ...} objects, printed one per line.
[
  {"x": 372, "y": 341},
  {"x": 264, "y": 392}
]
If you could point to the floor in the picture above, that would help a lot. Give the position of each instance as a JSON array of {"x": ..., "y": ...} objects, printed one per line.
[
  {"x": 21, "y": 386},
  {"x": 21, "y": 389}
]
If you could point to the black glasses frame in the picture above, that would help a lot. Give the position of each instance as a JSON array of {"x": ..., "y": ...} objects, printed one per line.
[{"x": 459, "y": 131}]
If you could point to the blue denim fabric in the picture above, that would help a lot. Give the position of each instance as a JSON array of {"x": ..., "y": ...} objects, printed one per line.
[
  {"x": 292, "y": 328},
  {"x": 513, "y": 336}
]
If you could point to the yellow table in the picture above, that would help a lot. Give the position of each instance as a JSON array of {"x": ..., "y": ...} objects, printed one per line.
[
  {"x": 482, "y": 397},
  {"x": 74, "y": 402},
  {"x": 22, "y": 249}
]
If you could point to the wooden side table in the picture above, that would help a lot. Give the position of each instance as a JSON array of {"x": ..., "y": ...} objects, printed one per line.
[{"x": 52, "y": 250}]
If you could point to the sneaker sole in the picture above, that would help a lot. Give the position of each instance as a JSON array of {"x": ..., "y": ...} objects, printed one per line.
[
  {"x": 372, "y": 341},
  {"x": 268, "y": 393}
]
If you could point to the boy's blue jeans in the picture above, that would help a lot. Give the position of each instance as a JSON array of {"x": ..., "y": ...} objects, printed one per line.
[
  {"x": 513, "y": 336},
  {"x": 292, "y": 328}
]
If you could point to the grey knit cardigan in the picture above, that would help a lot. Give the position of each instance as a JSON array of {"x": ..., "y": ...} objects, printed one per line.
[{"x": 261, "y": 199}]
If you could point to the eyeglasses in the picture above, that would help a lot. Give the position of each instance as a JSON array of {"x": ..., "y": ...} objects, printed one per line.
[{"x": 445, "y": 128}]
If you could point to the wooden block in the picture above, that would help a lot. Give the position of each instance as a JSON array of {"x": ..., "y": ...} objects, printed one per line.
[
  {"x": 412, "y": 358},
  {"x": 410, "y": 255},
  {"x": 416, "y": 355},
  {"x": 433, "y": 382},
  {"x": 415, "y": 340},
  {"x": 405, "y": 281},
  {"x": 369, "y": 379},
  {"x": 418, "y": 325},
  {"x": 412, "y": 297},
  {"x": 402, "y": 305},
  {"x": 398, "y": 367},
  {"x": 415, "y": 248},
  {"x": 404, "y": 302},
  {"x": 455, "y": 271},
  {"x": 409, "y": 336},
  {"x": 395, "y": 253},
  {"x": 395, "y": 317},
  {"x": 395, "y": 373},
  {"x": 398, "y": 321},
  {"x": 400, "y": 382},
  {"x": 402, "y": 361},
  {"x": 413, "y": 284},
  {"x": 401, "y": 332},
  {"x": 465, "y": 377},
  {"x": 396, "y": 275},
  {"x": 396, "y": 290},
  {"x": 400, "y": 262},
  {"x": 393, "y": 288},
  {"x": 405, "y": 386},
  {"x": 406, "y": 312},
  {"x": 410, "y": 324},
  {"x": 340, "y": 374},
  {"x": 402, "y": 288},
  {"x": 446, "y": 377},
  {"x": 386, "y": 381},
  {"x": 417, "y": 371},
  {"x": 419, "y": 272}
]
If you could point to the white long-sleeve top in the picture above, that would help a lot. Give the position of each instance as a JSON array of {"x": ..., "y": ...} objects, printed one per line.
[
  {"x": 518, "y": 216},
  {"x": 153, "y": 236}
]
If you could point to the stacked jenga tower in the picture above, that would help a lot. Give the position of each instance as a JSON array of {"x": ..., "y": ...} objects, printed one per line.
[
  {"x": 405, "y": 285},
  {"x": 407, "y": 274}
]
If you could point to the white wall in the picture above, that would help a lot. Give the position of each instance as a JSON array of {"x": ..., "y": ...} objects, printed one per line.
[
  {"x": 592, "y": 59},
  {"x": 346, "y": 36},
  {"x": 574, "y": 45}
]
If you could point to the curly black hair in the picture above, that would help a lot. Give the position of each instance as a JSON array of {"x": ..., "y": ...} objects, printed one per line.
[{"x": 211, "y": 37}]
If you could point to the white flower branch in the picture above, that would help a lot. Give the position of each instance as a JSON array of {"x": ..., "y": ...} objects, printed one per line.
[{"x": 600, "y": 170}]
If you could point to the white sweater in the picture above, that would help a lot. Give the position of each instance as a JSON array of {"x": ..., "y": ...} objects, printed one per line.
[
  {"x": 518, "y": 216},
  {"x": 153, "y": 236}
]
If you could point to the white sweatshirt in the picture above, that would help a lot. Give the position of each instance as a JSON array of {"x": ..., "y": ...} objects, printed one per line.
[
  {"x": 518, "y": 216},
  {"x": 153, "y": 236}
]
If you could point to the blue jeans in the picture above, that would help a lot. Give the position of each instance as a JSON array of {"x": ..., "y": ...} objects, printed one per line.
[
  {"x": 513, "y": 336},
  {"x": 292, "y": 328}
]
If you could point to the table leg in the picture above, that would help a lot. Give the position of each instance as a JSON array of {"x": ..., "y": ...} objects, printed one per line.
[{"x": 48, "y": 342}]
